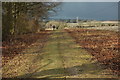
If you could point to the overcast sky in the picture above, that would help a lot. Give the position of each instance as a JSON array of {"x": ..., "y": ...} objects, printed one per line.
[{"x": 88, "y": 10}]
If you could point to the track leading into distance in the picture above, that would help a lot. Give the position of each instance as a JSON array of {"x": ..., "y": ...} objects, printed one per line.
[{"x": 61, "y": 58}]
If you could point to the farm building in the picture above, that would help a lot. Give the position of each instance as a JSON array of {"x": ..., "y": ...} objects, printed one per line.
[{"x": 52, "y": 25}]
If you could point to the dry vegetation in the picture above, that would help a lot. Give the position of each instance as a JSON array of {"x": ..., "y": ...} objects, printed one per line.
[
  {"x": 103, "y": 46},
  {"x": 15, "y": 45}
]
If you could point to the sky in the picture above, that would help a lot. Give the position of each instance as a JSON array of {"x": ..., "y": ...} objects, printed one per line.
[{"x": 88, "y": 10}]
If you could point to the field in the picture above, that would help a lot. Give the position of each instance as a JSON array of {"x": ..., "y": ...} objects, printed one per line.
[
  {"x": 60, "y": 57},
  {"x": 101, "y": 44},
  {"x": 64, "y": 53}
]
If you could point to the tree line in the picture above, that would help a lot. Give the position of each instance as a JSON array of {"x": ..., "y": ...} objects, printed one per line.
[{"x": 24, "y": 17}]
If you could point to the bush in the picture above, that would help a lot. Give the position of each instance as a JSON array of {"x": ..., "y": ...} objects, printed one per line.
[
  {"x": 21, "y": 25},
  {"x": 24, "y": 25}
]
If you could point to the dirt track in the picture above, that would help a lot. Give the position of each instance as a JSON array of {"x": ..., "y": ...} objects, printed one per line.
[{"x": 60, "y": 58}]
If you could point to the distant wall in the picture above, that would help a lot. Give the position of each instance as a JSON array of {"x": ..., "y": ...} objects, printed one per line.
[{"x": 93, "y": 24}]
